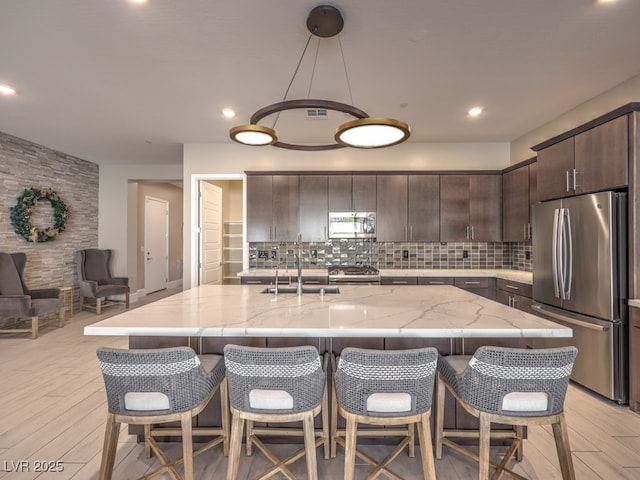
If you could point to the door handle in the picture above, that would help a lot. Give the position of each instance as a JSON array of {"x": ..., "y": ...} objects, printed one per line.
[{"x": 554, "y": 253}]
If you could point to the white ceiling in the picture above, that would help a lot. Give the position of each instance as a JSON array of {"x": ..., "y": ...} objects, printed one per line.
[{"x": 115, "y": 82}]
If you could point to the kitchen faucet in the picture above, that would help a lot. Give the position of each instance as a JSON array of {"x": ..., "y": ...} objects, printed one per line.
[{"x": 298, "y": 257}]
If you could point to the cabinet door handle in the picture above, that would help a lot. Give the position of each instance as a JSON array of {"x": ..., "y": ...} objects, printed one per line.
[
  {"x": 254, "y": 282},
  {"x": 309, "y": 282},
  {"x": 399, "y": 282},
  {"x": 575, "y": 180},
  {"x": 513, "y": 287},
  {"x": 406, "y": 237},
  {"x": 472, "y": 233},
  {"x": 567, "y": 172},
  {"x": 471, "y": 283},
  {"x": 467, "y": 234}
]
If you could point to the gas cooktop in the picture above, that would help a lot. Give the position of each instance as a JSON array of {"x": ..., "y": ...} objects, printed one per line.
[{"x": 353, "y": 270}]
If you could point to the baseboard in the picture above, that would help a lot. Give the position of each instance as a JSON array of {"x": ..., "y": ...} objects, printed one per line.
[{"x": 136, "y": 296}]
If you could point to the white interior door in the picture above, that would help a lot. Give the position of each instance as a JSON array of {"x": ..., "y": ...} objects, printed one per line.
[
  {"x": 156, "y": 241},
  {"x": 210, "y": 234}
]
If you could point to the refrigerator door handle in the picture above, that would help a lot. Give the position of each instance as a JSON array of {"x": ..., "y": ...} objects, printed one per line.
[
  {"x": 554, "y": 253},
  {"x": 571, "y": 321},
  {"x": 567, "y": 231}
]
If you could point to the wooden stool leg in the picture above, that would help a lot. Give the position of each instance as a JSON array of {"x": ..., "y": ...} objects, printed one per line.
[
  {"x": 350, "y": 448},
  {"x": 126, "y": 303},
  {"x": 426, "y": 447},
  {"x": 485, "y": 439},
  {"x": 248, "y": 440},
  {"x": 411, "y": 434},
  {"x": 34, "y": 327},
  {"x": 187, "y": 445},
  {"x": 109, "y": 447},
  {"x": 61, "y": 317},
  {"x": 334, "y": 421},
  {"x": 439, "y": 427},
  {"x": 520, "y": 435},
  {"x": 224, "y": 412},
  {"x": 310, "y": 447},
  {"x": 561, "y": 436},
  {"x": 147, "y": 443},
  {"x": 98, "y": 306},
  {"x": 237, "y": 424},
  {"x": 325, "y": 422}
]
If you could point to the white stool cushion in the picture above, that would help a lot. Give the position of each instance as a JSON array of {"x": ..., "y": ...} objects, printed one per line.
[
  {"x": 389, "y": 402},
  {"x": 525, "y": 402},
  {"x": 146, "y": 401},
  {"x": 270, "y": 399}
]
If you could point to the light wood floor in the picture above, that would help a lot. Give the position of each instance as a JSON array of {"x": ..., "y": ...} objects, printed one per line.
[{"x": 53, "y": 408}]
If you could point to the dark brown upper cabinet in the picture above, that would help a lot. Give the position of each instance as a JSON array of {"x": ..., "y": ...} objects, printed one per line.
[
  {"x": 594, "y": 160},
  {"x": 470, "y": 208},
  {"x": 516, "y": 205},
  {"x": 314, "y": 207},
  {"x": 408, "y": 208},
  {"x": 352, "y": 193},
  {"x": 272, "y": 208}
]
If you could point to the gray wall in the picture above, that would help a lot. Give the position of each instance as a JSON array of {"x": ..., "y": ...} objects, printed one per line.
[{"x": 24, "y": 165}]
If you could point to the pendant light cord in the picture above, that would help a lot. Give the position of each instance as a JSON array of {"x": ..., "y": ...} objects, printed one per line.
[
  {"x": 346, "y": 74},
  {"x": 293, "y": 78}
]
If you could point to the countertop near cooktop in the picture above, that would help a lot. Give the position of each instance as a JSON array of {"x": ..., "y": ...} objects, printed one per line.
[{"x": 505, "y": 274}]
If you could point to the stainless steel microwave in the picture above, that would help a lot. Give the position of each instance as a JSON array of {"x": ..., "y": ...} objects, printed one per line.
[{"x": 352, "y": 224}]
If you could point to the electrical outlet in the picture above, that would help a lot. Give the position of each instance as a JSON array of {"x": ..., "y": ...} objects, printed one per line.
[
  {"x": 465, "y": 253},
  {"x": 405, "y": 253}
]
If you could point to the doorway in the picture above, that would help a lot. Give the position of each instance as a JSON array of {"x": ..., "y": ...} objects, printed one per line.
[
  {"x": 220, "y": 244},
  {"x": 156, "y": 244},
  {"x": 210, "y": 234}
]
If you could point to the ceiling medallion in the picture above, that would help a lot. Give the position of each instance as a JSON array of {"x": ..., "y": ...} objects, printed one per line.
[{"x": 324, "y": 21}]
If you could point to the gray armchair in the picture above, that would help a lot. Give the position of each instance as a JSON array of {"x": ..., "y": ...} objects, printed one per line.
[
  {"x": 96, "y": 282},
  {"x": 18, "y": 302}
]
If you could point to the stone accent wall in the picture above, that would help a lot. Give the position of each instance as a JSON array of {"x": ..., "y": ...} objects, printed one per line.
[
  {"x": 409, "y": 255},
  {"x": 23, "y": 165}
]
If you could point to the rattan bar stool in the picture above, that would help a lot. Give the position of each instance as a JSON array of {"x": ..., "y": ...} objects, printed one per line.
[
  {"x": 157, "y": 386},
  {"x": 276, "y": 385},
  {"x": 385, "y": 388},
  {"x": 511, "y": 386}
]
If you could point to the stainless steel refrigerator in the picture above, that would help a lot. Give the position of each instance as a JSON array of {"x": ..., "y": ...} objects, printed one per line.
[{"x": 579, "y": 280}]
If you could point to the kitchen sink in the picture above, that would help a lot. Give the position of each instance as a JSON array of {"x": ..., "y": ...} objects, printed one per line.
[{"x": 319, "y": 289}]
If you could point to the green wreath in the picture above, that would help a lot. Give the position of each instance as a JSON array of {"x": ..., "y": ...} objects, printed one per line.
[{"x": 21, "y": 215}]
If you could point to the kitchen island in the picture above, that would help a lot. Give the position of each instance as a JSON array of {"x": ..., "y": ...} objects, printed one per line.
[
  {"x": 208, "y": 317},
  {"x": 357, "y": 311}
]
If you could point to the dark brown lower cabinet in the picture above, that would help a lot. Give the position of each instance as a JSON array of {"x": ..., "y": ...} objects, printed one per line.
[{"x": 634, "y": 359}]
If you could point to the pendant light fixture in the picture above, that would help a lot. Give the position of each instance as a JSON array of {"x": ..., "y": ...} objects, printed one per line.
[{"x": 324, "y": 21}]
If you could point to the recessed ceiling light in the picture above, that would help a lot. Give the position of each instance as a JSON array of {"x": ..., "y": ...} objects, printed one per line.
[
  {"x": 227, "y": 112},
  {"x": 138, "y": 1},
  {"x": 475, "y": 111},
  {"x": 7, "y": 90}
]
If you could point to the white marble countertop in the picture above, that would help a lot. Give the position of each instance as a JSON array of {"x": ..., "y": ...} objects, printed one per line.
[
  {"x": 634, "y": 302},
  {"x": 357, "y": 311},
  {"x": 515, "y": 275}
]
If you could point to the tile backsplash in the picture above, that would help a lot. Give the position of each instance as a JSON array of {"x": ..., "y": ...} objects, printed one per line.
[{"x": 397, "y": 255}]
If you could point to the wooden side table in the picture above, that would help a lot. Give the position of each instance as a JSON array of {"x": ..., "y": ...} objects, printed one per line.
[{"x": 67, "y": 299}]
